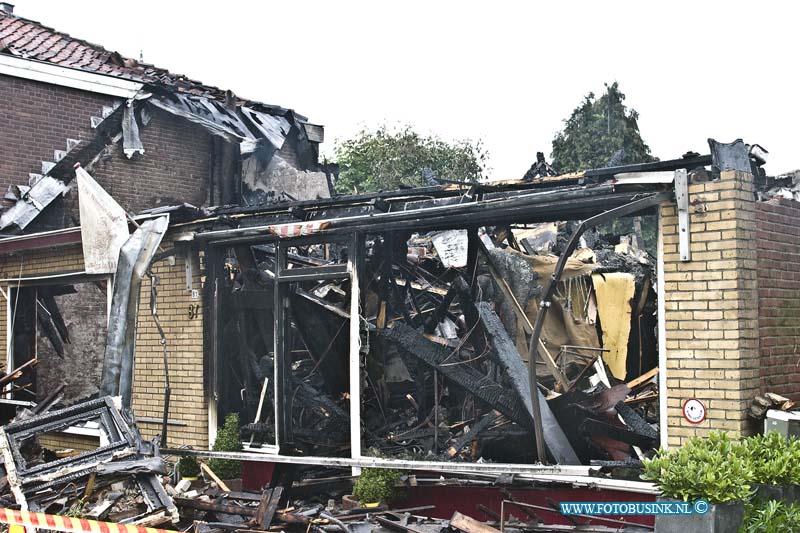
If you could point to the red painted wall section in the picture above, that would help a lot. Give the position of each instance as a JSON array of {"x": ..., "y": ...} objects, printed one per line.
[{"x": 465, "y": 499}]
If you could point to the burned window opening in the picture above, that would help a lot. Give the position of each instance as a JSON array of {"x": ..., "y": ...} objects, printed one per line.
[
  {"x": 44, "y": 483},
  {"x": 314, "y": 391},
  {"x": 64, "y": 327},
  {"x": 471, "y": 295}
]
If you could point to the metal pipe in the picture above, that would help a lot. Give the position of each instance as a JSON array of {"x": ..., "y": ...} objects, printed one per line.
[{"x": 154, "y": 281}]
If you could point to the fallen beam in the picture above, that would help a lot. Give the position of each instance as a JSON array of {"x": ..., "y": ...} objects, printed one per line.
[
  {"x": 248, "y": 512},
  {"x": 469, "y": 524},
  {"x": 506, "y": 355},
  {"x": 591, "y": 426},
  {"x": 267, "y": 507},
  {"x": 479, "y": 427},
  {"x": 413, "y": 343}
]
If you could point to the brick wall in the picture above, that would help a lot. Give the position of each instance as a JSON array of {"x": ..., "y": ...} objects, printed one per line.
[
  {"x": 38, "y": 118},
  {"x": 173, "y": 169},
  {"x": 778, "y": 244},
  {"x": 62, "y": 441},
  {"x": 184, "y": 340},
  {"x": 184, "y": 332},
  {"x": 711, "y": 308}
]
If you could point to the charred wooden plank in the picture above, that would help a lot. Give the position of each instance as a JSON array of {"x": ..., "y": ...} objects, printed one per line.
[
  {"x": 48, "y": 301},
  {"x": 635, "y": 422},
  {"x": 480, "y": 426},
  {"x": 591, "y": 426},
  {"x": 248, "y": 512},
  {"x": 17, "y": 372},
  {"x": 441, "y": 310},
  {"x": 413, "y": 343},
  {"x": 396, "y": 526},
  {"x": 505, "y": 353},
  {"x": 267, "y": 507},
  {"x": 470, "y": 525}
]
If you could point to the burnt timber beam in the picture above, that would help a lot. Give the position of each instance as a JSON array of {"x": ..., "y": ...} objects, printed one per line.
[
  {"x": 411, "y": 342},
  {"x": 505, "y": 353},
  {"x": 472, "y": 259},
  {"x": 267, "y": 507},
  {"x": 190, "y": 503},
  {"x": 635, "y": 422},
  {"x": 313, "y": 273},
  {"x": 591, "y": 426},
  {"x": 657, "y": 166},
  {"x": 479, "y": 427},
  {"x": 282, "y": 354},
  {"x": 441, "y": 310},
  {"x": 574, "y": 202}
]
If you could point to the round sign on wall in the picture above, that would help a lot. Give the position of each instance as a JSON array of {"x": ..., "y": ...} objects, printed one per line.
[{"x": 694, "y": 411}]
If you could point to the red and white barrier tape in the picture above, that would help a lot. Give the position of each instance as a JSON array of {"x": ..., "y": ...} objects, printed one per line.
[{"x": 69, "y": 525}]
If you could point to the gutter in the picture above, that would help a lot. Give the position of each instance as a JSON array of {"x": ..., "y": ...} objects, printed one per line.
[
  {"x": 37, "y": 241},
  {"x": 31, "y": 69},
  {"x": 51, "y": 239}
]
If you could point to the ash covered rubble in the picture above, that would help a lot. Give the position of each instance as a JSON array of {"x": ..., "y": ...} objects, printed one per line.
[
  {"x": 448, "y": 318},
  {"x": 126, "y": 481},
  {"x": 120, "y": 480}
]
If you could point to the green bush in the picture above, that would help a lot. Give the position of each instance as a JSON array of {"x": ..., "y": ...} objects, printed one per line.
[
  {"x": 376, "y": 485},
  {"x": 712, "y": 468},
  {"x": 188, "y": 467},
  {"x": 771, "y": 517},
  {"x": 773, "y": 459},
  {"x": 228, "y": 440}
]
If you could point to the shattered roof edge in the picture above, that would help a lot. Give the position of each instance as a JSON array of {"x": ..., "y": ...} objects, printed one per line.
[
  {"x": 50, "y": 239},
  {"x": 122, "y": 88}
]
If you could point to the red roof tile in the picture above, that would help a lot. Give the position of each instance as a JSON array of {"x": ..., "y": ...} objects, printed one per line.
[{"x": 31, "y": 40}]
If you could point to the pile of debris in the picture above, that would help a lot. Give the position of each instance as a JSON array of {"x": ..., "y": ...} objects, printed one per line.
[
  {"x": 448, "y": 321},
  {"x": 118, "y": 481},
  {"x": 319, "y": 504}
]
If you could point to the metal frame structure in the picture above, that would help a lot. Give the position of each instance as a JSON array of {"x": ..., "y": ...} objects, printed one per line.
[{"x": 595, "y": 203}]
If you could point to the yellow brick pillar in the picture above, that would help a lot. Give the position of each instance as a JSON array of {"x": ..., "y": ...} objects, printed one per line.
[
  {"x": 181, "y": 315},
  {"x": 711, "y": 308}
]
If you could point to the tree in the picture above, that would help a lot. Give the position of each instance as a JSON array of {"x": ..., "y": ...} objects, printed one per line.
[
  {"x": 597, "y": 130},
  {"x": 386, "y": 159}
]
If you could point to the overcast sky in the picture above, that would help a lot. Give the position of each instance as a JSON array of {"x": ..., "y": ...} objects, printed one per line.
[{"x": 508, "y": 73}]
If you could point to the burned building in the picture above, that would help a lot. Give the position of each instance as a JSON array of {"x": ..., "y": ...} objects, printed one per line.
[
  {"x": 151, "y": 138},
  {"x": 470, "y": 327},
  {"x": 455, "y": 295}
]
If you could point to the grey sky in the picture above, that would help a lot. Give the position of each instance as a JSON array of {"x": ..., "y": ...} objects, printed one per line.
[{"x": 505, "y": 72}]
